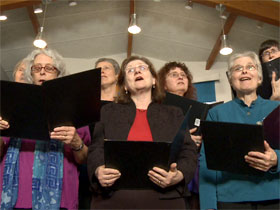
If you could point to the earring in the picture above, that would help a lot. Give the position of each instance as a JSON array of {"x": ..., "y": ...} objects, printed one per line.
[
  {"x": 154, "y": 86},
  {"x": 126, "y": 92}
]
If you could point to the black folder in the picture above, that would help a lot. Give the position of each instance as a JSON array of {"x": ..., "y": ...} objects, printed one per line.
[
  {"x": 226, "y": 144},
  {"x": 198, "y": 110},
  {"x": 135, "y": 158},
  {"x": 265, "y": 90},
  {"x": 271, "y": 126},
  {"x": 32, "y": 111}
]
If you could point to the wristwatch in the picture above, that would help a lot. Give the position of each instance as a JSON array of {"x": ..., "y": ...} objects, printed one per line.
[{"x": 79, "y": 148}]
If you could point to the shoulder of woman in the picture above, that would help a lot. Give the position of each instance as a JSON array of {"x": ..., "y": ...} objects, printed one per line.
[{"x": 168, "y": 108}]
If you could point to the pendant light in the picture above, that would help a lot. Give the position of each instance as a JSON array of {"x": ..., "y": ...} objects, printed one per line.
[
  {"x": 39, "y": 41},
  {"x": 225, "y": 48}
]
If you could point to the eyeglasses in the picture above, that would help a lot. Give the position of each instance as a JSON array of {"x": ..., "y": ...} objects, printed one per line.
[
  {"x": 105, "y": 68},
  {"x": 48, "y": 68},
  {"x": 268, "y": 52},
  {"x": 132, "y": 70},
  {"x": 249, "y": 67},
  {"x": 176, "y": 75}
]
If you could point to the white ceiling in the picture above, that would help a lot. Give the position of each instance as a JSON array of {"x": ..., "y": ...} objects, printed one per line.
[{"x": 96, "y": 28}]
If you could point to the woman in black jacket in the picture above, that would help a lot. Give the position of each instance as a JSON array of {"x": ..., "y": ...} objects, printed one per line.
[{"x": 138, "y": 115}]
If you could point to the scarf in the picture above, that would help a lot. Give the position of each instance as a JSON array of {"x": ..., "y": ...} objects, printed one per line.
[{"x": 47, "y": 175}]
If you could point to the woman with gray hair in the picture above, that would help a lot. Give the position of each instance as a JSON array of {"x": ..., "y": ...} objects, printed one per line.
[
  {"x": 225, "y": 190},
  {"x": 43, "y": 174},
  {"x": 109, "y": 74},
  {"x": 18, "y": 73}
]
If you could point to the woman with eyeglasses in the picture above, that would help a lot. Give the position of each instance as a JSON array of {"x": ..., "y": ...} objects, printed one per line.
[
  {"x": 269, "y": 51},
  {"x": 43, "y": 174},
  {"x": 137, "y": 115},
  {"x": 225, "y": 190},
  {"x": 176, "y": 78}
]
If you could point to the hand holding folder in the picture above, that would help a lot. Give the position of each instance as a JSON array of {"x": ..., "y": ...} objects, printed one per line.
[
  {"x": 32, "y": 111},
  {"x": 134, "y": 159},
  {"x": 226, "y": 144}
]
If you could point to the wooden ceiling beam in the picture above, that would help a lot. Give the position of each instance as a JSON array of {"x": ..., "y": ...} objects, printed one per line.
[
  {"x": 267, "y": 11},
  {"x": 14, "y": 4},
  {"x": 33, "y": 18},
  {"x": 215, "y": 51},
  {"x": 130, "y": 36}
]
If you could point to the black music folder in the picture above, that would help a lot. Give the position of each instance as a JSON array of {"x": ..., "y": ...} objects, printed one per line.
[
  {"x": 226, "y": 144},
  {"x": 265, "y": 90},
  {"x": 271, "y": 126},
  {"x": 198, "y": 110},
  {"x": 32, "y": 111},
  {"x": 135, "y": 158}
]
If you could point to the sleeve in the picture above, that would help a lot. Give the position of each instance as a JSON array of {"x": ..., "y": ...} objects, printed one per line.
[
  {"x": 96, "y": 151},
  {"x": 84, "y": 135},
  {"x": 187, "y": 158},
  {"x": 277, "y": 168},
  {"x": 207, "y": 180}
]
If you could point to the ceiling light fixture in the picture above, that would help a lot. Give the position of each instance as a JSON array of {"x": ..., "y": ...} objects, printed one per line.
[
  {"x": 222, "y": 11},
  {"x": 189, "y": 4},
  {"x": 39, "y": 41},
  {"x": 38, "y": 9},
  {"x": 72, "y": 3},
  {"x": 133, "y": 28},
  {"x": 3, "y": 17},
  {"x": 225, "y": 48}
]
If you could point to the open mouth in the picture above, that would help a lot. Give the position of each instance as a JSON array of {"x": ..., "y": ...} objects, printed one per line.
[
  {"x": 42, "y": 81},
  {"x": 245, "y": 78},
  {"x": 139, "y": 78}
]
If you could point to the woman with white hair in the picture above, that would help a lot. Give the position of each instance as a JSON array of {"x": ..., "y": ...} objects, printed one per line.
[
  {"x": 225, "y": 190},
  {"x": 43, "y": 174}
]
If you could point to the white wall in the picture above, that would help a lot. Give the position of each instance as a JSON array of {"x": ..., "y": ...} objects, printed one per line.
[{"x": 217, "y": 72}]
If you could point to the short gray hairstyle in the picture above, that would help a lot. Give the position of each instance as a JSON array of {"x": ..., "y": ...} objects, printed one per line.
[
  {"x": 111, "y": 61},
  {"x": 22, "y": 61},
  {"x": 249, "y": 54},
  {"x": 57, "y": 62}
]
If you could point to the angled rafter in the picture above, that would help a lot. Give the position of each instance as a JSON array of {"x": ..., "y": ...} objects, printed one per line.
[
  {"x": 267, "y": 11},
  {"x": 212, "y": 57},
  {"x": 33, "y": 19},
  {"x": 15, "y": 4}
]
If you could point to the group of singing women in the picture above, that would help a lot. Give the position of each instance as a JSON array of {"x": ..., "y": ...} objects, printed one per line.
[{"x": 44, "y": 174}]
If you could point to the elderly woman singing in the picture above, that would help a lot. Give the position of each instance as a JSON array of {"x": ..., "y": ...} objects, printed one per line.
[
  {"x": 224, "y": 190},
  {"x": 42, "y": 174}
]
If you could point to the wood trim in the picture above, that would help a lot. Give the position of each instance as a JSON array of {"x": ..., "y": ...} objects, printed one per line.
[{"x": 212, "y": 57}]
